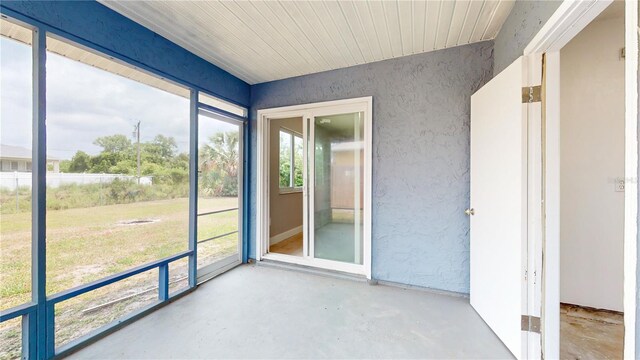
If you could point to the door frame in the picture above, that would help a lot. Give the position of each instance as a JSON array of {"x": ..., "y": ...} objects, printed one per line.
[
  {"x": 569, "y": 19},
  {"x": 216, "y": 268},
  {"x": 306, "y": 111}
]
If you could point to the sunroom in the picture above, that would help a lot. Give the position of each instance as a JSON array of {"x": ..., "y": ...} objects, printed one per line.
[{"x": 318, "y": 179}]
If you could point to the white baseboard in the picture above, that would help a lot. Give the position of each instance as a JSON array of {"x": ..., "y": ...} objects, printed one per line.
[{"x": 285, "y": 235}]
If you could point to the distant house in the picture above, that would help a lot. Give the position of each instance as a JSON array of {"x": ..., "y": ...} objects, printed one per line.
[{"x": 16, "y": 158}]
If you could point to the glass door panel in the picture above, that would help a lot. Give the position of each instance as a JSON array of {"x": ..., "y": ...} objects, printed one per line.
[
  {"x": 337, "y": 165},
  {"x": 219, "y": 190}
]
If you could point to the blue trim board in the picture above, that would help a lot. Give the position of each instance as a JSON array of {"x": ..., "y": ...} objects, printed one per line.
[
  {"x": 39, "y": 195},
  {"x": 163, "y": 282},
  {"x": 19, "y": 310},
  {"x": 29, "y": 332},
  {"x": 220, "y": 112},
  {"x": 79, "y": 290},
  {"x": 92, "y": 24},
  {"x": 193, "y": 188}
]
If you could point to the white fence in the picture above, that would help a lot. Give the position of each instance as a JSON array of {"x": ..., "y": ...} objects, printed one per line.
[{"x": 12, "y": 180}]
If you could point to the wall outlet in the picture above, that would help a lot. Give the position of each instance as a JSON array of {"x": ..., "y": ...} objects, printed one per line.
[{"x": 619, "y": 185}]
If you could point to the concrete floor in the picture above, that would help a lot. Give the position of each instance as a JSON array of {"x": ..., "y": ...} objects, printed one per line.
[
  {"x": 590, "y": 334},
  {"x": 256, "y": 311}
]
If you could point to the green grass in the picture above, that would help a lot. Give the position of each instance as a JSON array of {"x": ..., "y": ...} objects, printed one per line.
[{"x": 86, "y": 244}]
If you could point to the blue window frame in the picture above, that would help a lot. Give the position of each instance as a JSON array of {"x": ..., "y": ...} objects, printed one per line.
[{"x": 38, "y": 315}]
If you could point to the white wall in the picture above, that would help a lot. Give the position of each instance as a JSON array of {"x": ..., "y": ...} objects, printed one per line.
[
  {"x": 285, "y": 209},
  {"x": 9, "y": 180},
  {"x": 592, "y": 157}
]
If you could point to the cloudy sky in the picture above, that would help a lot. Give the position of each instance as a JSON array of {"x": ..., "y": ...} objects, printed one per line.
[{"x": 84, "y": 103}]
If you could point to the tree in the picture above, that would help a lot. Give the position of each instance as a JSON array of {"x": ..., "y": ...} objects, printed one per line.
[
  {"x": 160, "y": 159},
  {"x": 159, "y": 151},
  {"x": 108, "y": 162},
  {"x": 219, "y": 162},
  {"x": 80, "y": 162},
  {"x": 285, "y": 159},
  {"x": 298, "y": 161},
  {"x": 116, "y": 144}
]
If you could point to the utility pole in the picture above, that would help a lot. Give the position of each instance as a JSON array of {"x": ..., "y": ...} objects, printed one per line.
[{"x": 136, "y": 133}]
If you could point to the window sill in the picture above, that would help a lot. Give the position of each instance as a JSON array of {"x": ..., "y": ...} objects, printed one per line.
[{"x": 284, "y": 191}]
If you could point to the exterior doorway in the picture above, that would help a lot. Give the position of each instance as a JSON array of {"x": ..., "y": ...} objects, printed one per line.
[{"x": 315, "y": 164}]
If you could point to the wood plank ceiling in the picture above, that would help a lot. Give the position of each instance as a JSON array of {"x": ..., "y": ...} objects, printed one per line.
[{"x": 261, "y": 41}]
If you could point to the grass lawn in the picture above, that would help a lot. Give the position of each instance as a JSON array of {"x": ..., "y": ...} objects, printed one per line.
[{"x": 86, "y": 244}]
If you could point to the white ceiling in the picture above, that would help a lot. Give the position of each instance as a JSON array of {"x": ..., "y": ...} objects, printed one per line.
[{"x": 260, "y": 41}]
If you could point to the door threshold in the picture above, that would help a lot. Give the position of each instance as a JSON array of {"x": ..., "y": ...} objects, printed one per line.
[
  {"x": 314, "y": 263},
  {"x": 311, "y": 270},
  {"x": 219, "y": 267}
]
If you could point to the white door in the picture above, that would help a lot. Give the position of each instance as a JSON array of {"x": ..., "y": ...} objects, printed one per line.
[{"x": 498, "y": 221}]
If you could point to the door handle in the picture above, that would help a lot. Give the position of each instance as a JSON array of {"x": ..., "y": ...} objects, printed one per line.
[{"x": 470, "y": 212}]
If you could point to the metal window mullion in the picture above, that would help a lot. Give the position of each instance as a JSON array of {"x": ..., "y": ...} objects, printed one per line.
[
  {"x": 311, "y": 176},
  {"x": 193, "y": 188},
  {"x": 218, "y": 236},
  {"x": 163, "y": 282},
  {"x": 291, "y": 160},
  {"x": 29, "y": 334},
  {"x": 240, "y": 182},
  {"x": 356, "y": 189},
  {"x": 217, "y": 212},
  {"x": 42, "y": 346},
  {"x": 50, "y": 330},
  {"x": 246, "y": 161}
]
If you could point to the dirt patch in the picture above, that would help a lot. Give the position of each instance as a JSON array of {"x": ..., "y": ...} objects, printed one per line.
[
  {"x": 79, "y": 273},
  {"x": 587, "y": 333},
  {"x": 137, "y": 222}
]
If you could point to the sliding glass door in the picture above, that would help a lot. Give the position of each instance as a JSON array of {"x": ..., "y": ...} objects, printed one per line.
[
  {"x": 336, "y": 185},
  {"x": 219, "y": 217},
  {"x": 336, "y": 176}
]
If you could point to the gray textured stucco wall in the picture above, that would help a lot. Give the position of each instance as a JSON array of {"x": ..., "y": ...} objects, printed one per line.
[
  {"x": 421, "y": 104},
  {"x": 523, "y": 23}
]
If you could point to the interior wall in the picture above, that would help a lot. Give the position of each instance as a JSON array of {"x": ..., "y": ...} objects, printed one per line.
[
  {"x": 592, "y": 157},
  {"x": 285, "y": 209},
  {"x": 523, "y": 23},
  {"x": 421, "y": 104},
  {"x": 102, "y": 27}
]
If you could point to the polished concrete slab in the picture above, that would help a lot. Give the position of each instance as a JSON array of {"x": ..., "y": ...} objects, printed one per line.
[{"x": 257, "y": 311}]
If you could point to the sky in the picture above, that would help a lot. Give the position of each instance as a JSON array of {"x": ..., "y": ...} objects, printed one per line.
[{"x": 84, "y": 103}]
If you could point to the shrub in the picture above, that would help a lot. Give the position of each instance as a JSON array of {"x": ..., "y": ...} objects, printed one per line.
[{"x": 118, "y": 191}]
